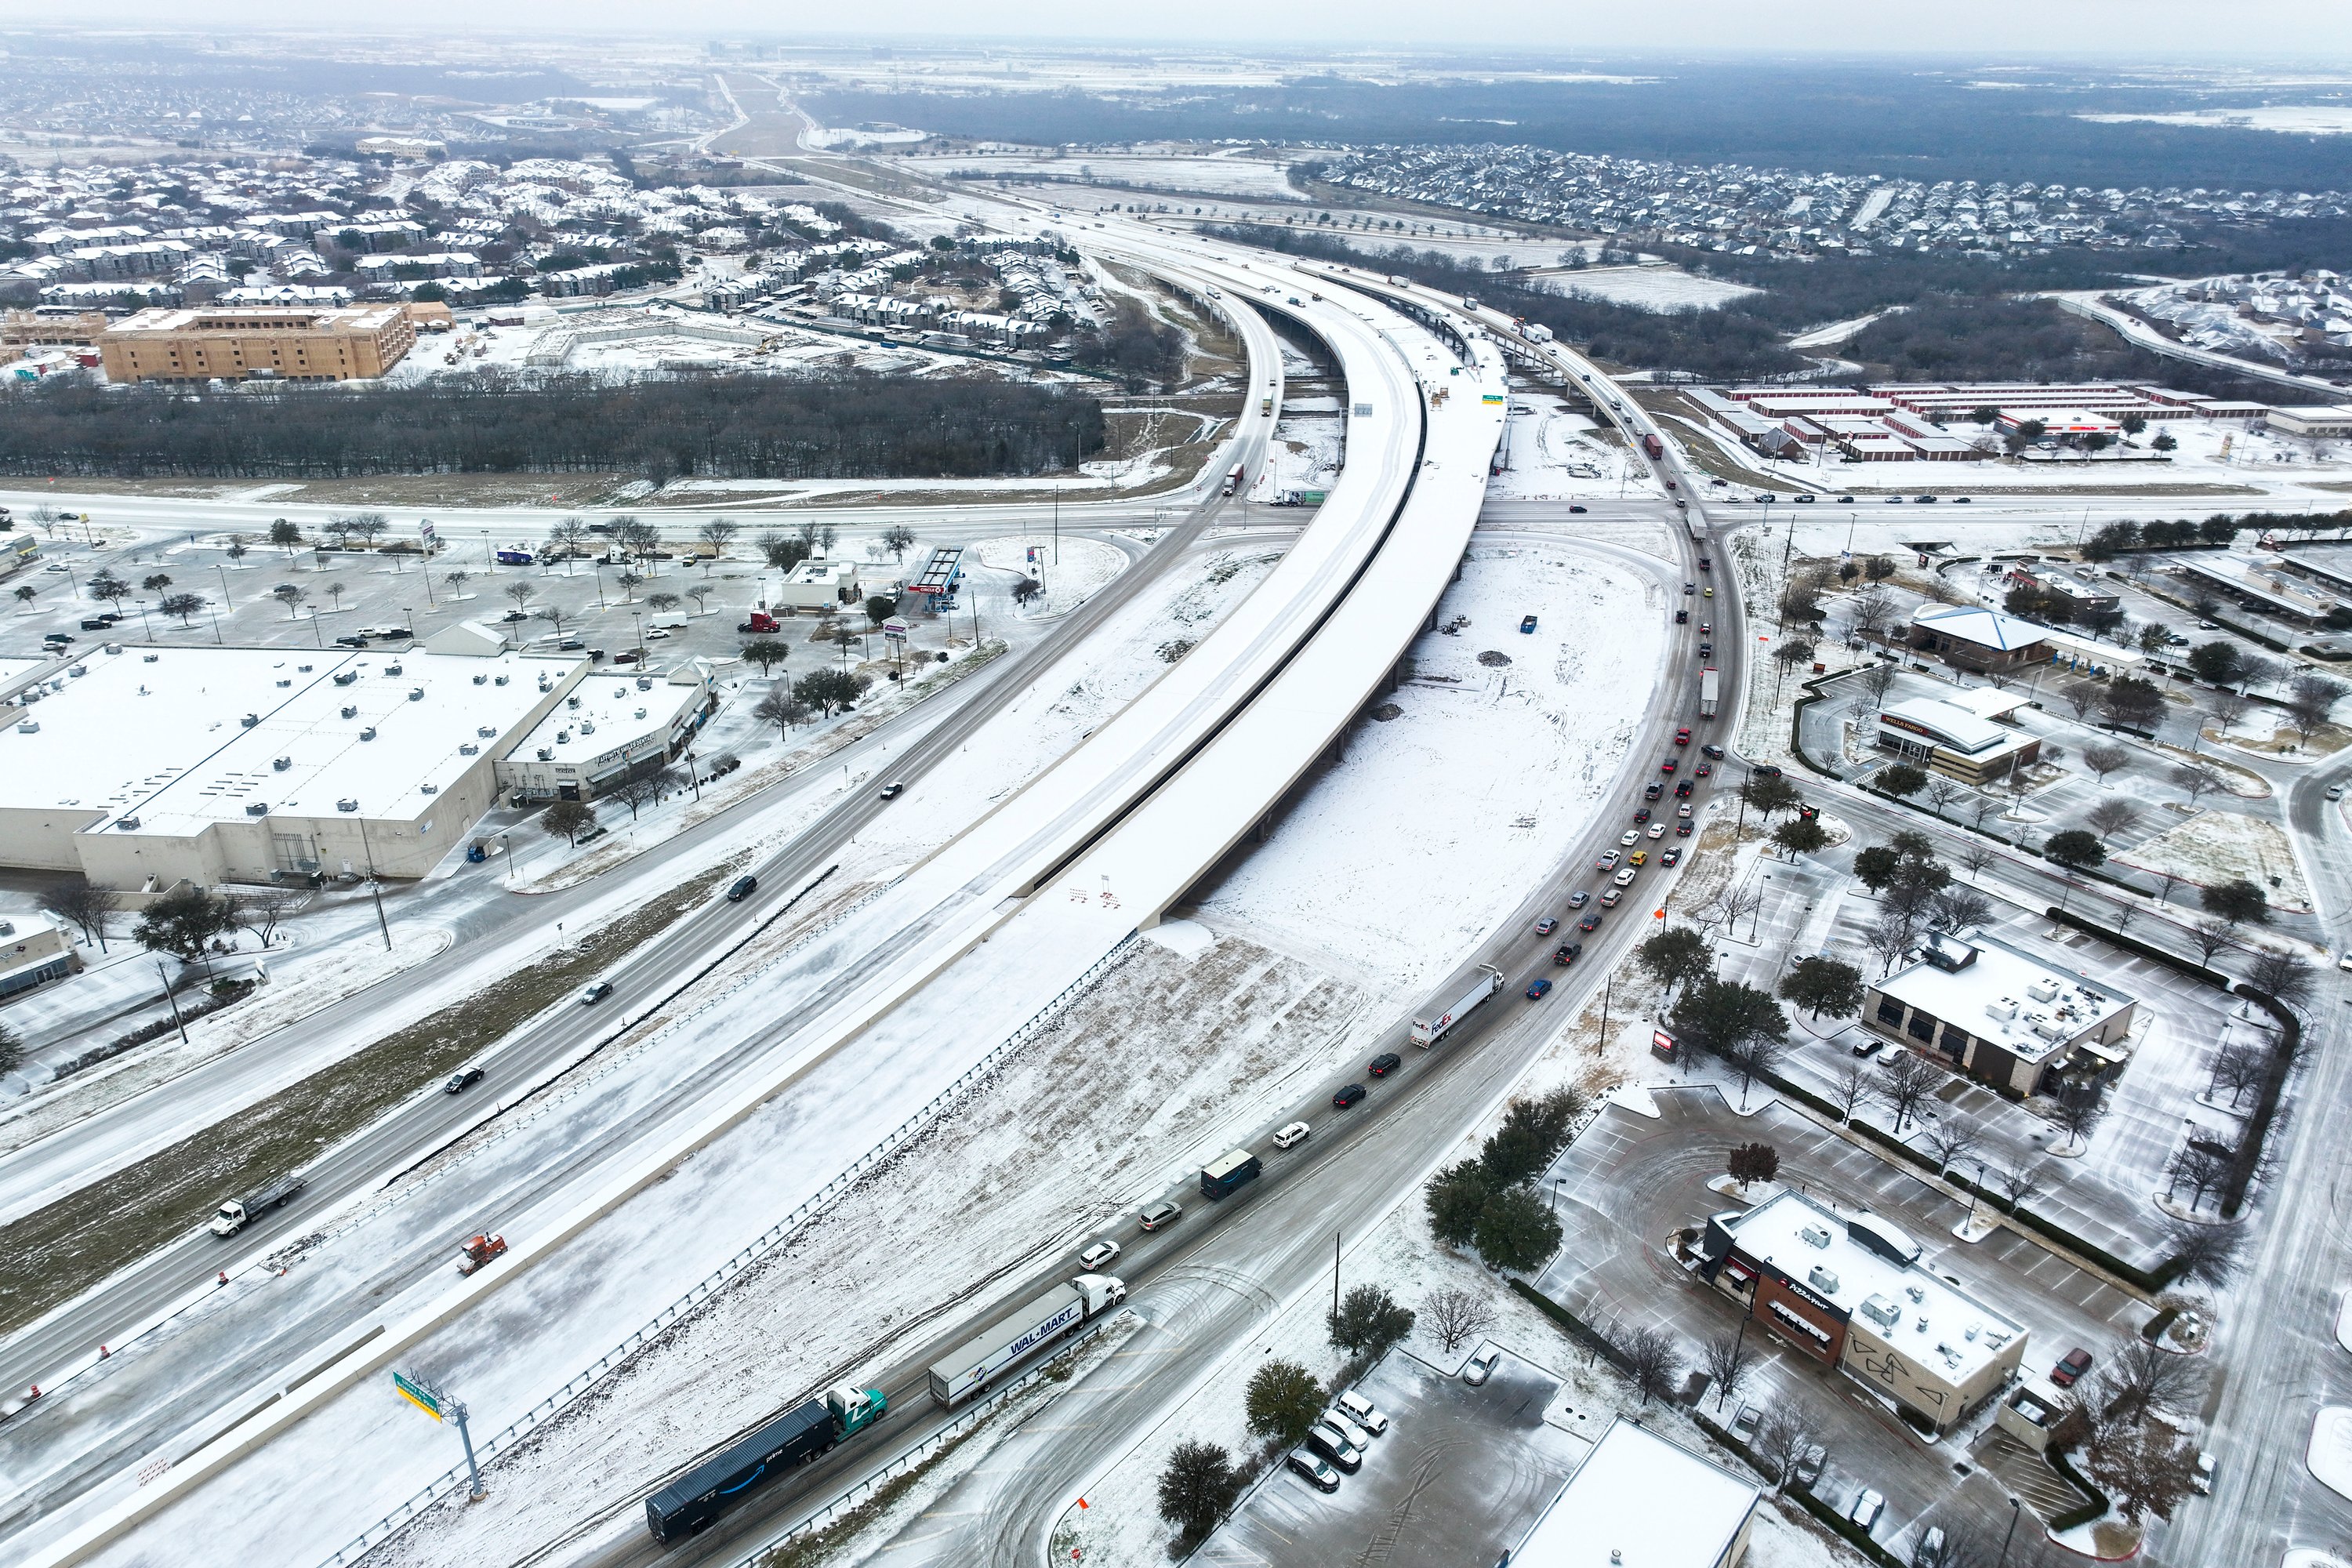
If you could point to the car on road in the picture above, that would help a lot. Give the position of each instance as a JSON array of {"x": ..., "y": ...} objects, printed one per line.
[
  {"x": 1925, "y": 500},
  {"x": 1683, "y": 828},
  {"x": 1625, "y": 879},
  {"x": 1092, "y": 1256},
  {"x": 1546, "y": 926},
  {"x": 1527, "y": 624},
  {"x": 1481, "y": 1366},
  {"x": 1326, "y": 1440},
  {"x": 1292, "y": 1136},
  {"x": 2203, "y": 1479},
  {"x": 1803, "y": 498},
  {"x": 1713, "y": 751},
  {"x": 1576, "y": 509},
  {"x": 743, "y": 889},
  {"x": 1565, "y": 953},
  {"x": 1667, "y": 767},
  {"x": 2208, "y": 625},
  {"x": 1670, "y": 855},
  {"x": 1652, "y": 790},
  {"x": 1710, "y": 591},
  {"x": 1683, "y": 787},
  {"x": 1608, "y": 861},
  {"x": 1707, "y": 564},
  {"x": 2335, "y": 791},
  {"x": 1611, "y": 896},
  {"x": 1682, "y": 736},
  {"x": 2344, "y": 962},
  {"x": 626, "y": 655},
  {"x": 353, "y": 640},
  {"x": 1866, "y": 1510},
  {"x": 1683, "y": 810},
  {"x": 1166, "y": 1212},
  {"x": 1704, "y": 769},
  {"x": 1639, "y": 858},
  {"x": 1348, "y": 1097},
  {"x": 464, "y": 1078},
  {"x": 1359, "y": 1410},
  {"x": 1630, "y": 838},
  {"x": 1384, "y": 1063},
  {"x": 101, "y": 624},
  {"x": 1809, "y": 1468},
  {"x": 1765, "y": 770},
  {"x": 596, "y": 991},
  {"x": 892, "y": 790},
  {"x": 1682, "y": 617},
  {"x": 1893, "y": 500},
  {"x": 2071, "y": 1368},
  {"x": 1705, "y": 628},
  {"x": 1313, "y": 1470},
  {"x": 1847, "y": 499},
  {"x": 1540, "y": 989},
  {"x": 1706, "y": 650},
  {"x": 1657, "y": 830},
  {"x": 1591, "y": 922},
  {"x": 657, "y": 635},
  {"x": 1690, "y": 588},
  {"x": 1579, "y": 899},
  {"x": 516, "y": 616}
]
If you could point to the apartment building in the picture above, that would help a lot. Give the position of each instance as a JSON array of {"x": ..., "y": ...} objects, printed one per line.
[{"x": 258, "y": 342}]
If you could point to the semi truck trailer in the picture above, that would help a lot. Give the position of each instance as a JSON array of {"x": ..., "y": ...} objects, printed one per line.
[
  {"x": 1430, "y": 1027},
  {"x": 1710, "y": 687},
  {"x": 1655, "y": 448},
  {"x": 689, "y": 1504},
  {"x": 1012, "y": 1340}
]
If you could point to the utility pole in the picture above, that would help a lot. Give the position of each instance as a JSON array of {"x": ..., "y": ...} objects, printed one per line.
[
  {"x": 1335, "y": 1273},
  {"x": 376, "y": 886},
  {"x": 172, "y": 1001}
]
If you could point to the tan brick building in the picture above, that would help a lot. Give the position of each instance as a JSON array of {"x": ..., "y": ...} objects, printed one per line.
[
  {"x": 28, "y": 331},
  {"x": 266, "y": 342}
]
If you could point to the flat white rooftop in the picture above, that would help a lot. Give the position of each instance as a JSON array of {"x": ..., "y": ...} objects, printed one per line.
[
  {"x": 181, "y": 738},
  {"x": 1655, "y": 1504},
  {"x": 1940, "y": 1328},
  {"x": 2022, "y": 1004}
]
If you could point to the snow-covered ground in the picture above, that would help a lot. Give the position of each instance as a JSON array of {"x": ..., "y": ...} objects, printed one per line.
[
  {"x": 2216, "y": 847},
  {"x": 1472, "y": 768},
  {"x": 1071, "y": 567},
  {"x": 1651, "y": 288},
  {"x": 1556, "y": 453}
]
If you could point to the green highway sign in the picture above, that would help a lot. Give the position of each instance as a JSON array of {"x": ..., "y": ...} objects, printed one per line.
[{"x": 418, "y": 1392}]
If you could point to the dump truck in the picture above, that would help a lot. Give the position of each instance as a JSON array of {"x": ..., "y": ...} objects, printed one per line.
[
  {"x": 689, "y": 1504},
  {"x": 234, "y": 1213},
  {"x": 1428, "y": 1029},
  {"x": 1012, "y": 1339},
  {"x": 1710, "y": 687}
]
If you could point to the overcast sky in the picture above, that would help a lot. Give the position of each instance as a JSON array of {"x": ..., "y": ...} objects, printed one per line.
[{"x": 2191, "y": 31}]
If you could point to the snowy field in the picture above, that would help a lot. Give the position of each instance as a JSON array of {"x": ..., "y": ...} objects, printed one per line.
[
  {"x": 1225, "y": 177},
  {"x": 1556, "y": 453},
  {"x": 1651, "y": 288},
  {"x": 1071, "y": 568},
  {"x": 1400, "y": 855}
]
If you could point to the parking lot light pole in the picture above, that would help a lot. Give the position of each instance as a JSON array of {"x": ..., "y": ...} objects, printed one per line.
[{"x": 2015, "y": 1509}]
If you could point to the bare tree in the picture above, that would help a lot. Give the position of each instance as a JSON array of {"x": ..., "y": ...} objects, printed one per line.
[
  {"x": 1951, "y": 1140},
  {"x": 1960, "y": 906},
  {"x": 522, "y": 593},
  {"x": 1974, "y": 854},
  {"x": 2195, "y": 779},
  {"x": 2310, "y": 698},
  {"x": 1456, "y": 1315},
  {"x": 1870, "y": 609},
  {"x": 2237, "y": 1067},
  {"x": 84, "y": 905},
  {"x": 1850, "y": 1088},
  {"x": 1653, "y": 1360},
  {"x": 2112, "y": 816},
  {"x": 1878, "y": 678},
  {"x": 2021, "y": 1183},
  {"x": 1889, "y": 938},
  {"x": 2076, "y": 1115},
  {"x": 2081, "y": 695},
  {"x": 2281, "y": 975},
  {"x": 2210, "y": 935},
  {"x": 2139, "y": 1378},
  {"x": 1907, "y": 1082},
  {"x": 2104, "y": 757},
  {"x": 1726, "y": 1359},
  {"x": 2205, "y": 1254},
  {"x": 1942, "y": 789},
  {"x": 1779, "y": 1442},
  {"x": 2165, "y": 881},
  {"x": 636, "y": 791},
  {"x": 2230, "y": 706},
  {"x": 262, "y": 909}
]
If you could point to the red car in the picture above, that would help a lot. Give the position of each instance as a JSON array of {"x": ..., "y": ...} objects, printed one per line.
[
  {"x": 2071, "y": 1366},
  {"x": 1682, "y": 737}
]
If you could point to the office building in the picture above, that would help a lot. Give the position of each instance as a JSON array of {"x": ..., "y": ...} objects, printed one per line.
[
  {"x": 264, "y": 343},
  {"x": 1639, "y": 1501},
  {"x": 2003, "y": 1015}
]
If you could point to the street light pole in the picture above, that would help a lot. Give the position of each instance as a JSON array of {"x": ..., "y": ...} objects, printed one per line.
[
  {"x": 172, "y": 1001},
  {"x": 376, "y": 886}
]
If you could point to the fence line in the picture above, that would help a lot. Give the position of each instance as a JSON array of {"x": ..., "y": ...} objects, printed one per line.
[{"x": 455, "y": 1479}]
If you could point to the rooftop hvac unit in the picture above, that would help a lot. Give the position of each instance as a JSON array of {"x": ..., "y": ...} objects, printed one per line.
[
  {"x": 641, "y": 712},
  {"x": 2044, "y": 989},
  {"x": 28, "y": 727},
  {"x": 351, "y": 712},
  {"x": 573, "y": 701},
  {"x": 257, "y": 808},
  {"x": 79, "y": 670},
  {"x": 303, "y": 667},
  {"x": 392, "y": 670},
  {"x": 416, "y": 694},
  {"x": 249, "y": 721},
  {"x": 428, "y": 789},
  {"x": 279, "y": 764},
  {"x": 117, "y": 648},
  {"x": 1814, "y": 1235},
  {"x": 563, "y": 737},
  {"x": 2001, "y": 1008},
  {"x": 127, "y": 824},
  {"x": 467, "y": 749},
  {"x": 1823, "y": 1280},
  {"x": 1883, "y": 1312},
  {"x": 286, "y": 681},
  {"x": 547, "y": 754},
  {"x": 487, "y": 731},
  {"x": 587, "y": 726},
  {"x": 347, "y": 804},
  {"x": 500, "y": 681},
  {"x": 481, "y": 680},
  {"x": 345, "y": 676},
  {"x": 645, "y": 683},
  {"x": 368, "y": 733},
  {"x": 149, "y": 657}
]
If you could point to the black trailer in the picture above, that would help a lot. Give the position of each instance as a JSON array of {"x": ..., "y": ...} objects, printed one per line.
[{"x": 688, "y": 1505}]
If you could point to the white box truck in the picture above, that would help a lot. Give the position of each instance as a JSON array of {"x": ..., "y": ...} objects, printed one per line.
[
  {"x": 1428, "y": 1029},
  {"x": 1710, "y": 687},
  {"x": 1007, "y": 1342}
]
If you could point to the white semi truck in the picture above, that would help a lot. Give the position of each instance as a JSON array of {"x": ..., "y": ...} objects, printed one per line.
[
  {"x": 1011, "y": 1341},
  {"x": 1428, "y": 1029}
]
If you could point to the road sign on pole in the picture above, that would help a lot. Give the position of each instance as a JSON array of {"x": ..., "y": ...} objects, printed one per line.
[
  {"x": 440, "y": 1406},
  {"x": 419, "y": 1393}
]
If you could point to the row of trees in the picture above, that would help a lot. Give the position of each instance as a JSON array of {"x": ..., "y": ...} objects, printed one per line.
[
  {"x": 183, "y": 923},
  {"x": 847, "y": 424},
  {"x": 1490, "y": 1202}
]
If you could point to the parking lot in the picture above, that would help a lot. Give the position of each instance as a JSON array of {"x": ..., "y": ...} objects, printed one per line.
[{"x": 1459, "y": 1474}]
